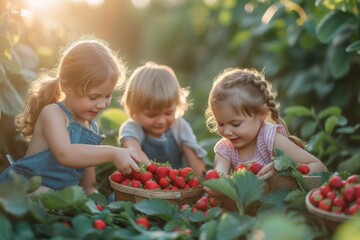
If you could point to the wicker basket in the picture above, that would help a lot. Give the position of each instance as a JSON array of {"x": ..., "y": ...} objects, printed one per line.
[
  {"x": 182, "y": 196},
  {"x": 330, "y": 220}
]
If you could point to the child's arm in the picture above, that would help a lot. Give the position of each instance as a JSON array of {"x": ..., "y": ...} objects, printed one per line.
[
  {"x": 298, "y": 154},
  {"x": 88, "y": 180},
  {"x": 133, "y": 144},
  {"x": 52, "y": 124},
  {"x": 222, "y": 165},
  {"x": 193, "y": 161}
]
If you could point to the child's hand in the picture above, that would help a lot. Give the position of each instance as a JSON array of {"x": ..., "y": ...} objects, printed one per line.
[
  {"x": 266, "y": 172},
  {"x": 126, "y": 161}
]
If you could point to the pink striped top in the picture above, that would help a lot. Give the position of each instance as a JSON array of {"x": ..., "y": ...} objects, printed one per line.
[{"x": 264, "y": 148}]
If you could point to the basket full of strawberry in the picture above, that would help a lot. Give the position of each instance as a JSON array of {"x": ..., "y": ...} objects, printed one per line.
[
  {"x": 180, "y": 186},
  {"x": 335, "y": 201}
]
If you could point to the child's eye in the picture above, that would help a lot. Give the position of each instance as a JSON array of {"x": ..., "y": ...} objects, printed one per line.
[
  {"x": 93, "y": 98},
  {"x": 236, "y": 125}
]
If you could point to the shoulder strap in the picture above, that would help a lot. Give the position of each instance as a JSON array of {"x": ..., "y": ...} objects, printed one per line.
[{"x": 66, "y": 111}]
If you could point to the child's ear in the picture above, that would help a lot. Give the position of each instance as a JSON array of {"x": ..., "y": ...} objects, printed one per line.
[{"x": 265, "y": 114}]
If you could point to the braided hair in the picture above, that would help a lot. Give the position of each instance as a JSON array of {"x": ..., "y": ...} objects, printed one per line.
[{"x": 247, "y": 92}]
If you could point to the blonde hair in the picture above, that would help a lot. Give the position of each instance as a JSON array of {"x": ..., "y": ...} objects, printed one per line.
[
  {"x": 83, "y": 64},
  {"x": 247, "y": 92},
  {"x": 154, "y": 87}
]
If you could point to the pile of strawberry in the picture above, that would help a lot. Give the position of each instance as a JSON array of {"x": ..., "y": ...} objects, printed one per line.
[
  {"x": 338, "y": 195},
  {"x": 255, "y": 167},
  {"x": 158, "y": 176}
]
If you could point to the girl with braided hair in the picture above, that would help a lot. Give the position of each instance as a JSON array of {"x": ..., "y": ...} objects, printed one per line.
[{"x": 243, "y": 111}]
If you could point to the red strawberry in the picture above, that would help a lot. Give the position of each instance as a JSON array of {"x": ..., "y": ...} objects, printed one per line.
[
  {"x": 99, "y": 224},
  {"x": 336, "y": 182},
  {"x": 135, "y": 183},
  {"x": 325, "y": 204},
  {"x": 174, "y": 188},
  {"x": 303, "y": 168},
  {"x": 193, "y": 182},
  {"x": 117, "y": 177},
  {"x": 162, "y": 172},
  {"x": 146, "y": 176},
  {"x": 240, "y": 166},
  {"x": 126, "y": 182},
  {"x": 99, "y": 207},
  {"x": 354, "y": 209},
  {"x": 179, "y": 182},
  {"x": 151, "y": 168},
  {"x": 339, "y": 202},
  {"x": 357, "y": 190},
  {"x": 163, "y": 182},
  {"x": 151, "y": 184},
  {"x": 185, "y": 171},
  {"x": 143, "y": 221},
  {"x": 337, "y": 210},
  {"x": 348, "y": 194},
  {"x": 211, "y": 174},
  {"x": 202, "y": 204},
  {"x": 184, "y": 206},
  {"x": 136, "y": 175},
  {"x": 173, "y": 173},
  {"x": 325, "y": 189},
  {"x": 255, "y": 167},
  {"x": 213, "y": 202},
  {"x": 331, "y": 195},
  {"x": 353, "y": 179},
  {"x": 316, "y": 197}
]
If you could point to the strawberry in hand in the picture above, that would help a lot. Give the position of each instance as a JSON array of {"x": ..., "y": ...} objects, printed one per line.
[{"x": 303, "y": 169}]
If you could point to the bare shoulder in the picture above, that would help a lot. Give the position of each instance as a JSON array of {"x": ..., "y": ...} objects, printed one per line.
[{"x": 52, "y": 113}]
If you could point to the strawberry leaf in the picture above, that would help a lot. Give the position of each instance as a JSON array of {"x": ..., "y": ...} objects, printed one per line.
[
  {"x": 224, "y": 186},
  {"x": 248, "y": 187},
  {"x": 157, "y": 207},
  {"x": 13, "y": 198}
]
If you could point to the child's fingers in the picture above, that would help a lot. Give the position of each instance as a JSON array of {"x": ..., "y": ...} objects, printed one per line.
[
  {"x": 134, "y": 166},
  {"x": 135, "y": 156}
]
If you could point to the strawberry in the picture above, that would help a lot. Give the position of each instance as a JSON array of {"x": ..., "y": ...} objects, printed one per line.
[
  {"x": 337, "y": 210},
  {"x": 126, "y": 182},
  {"x": 339, "y": 202},
  {"x": 213, "y": 202},
  {"x": 136, "y": 175},
  {"x": 316, "y": 197},
  {"x": 99, "y": 207},
  {"x": 117, "y": 177},
  {"x": 173, "y": 173},
  {"x": 185, "y": 171},
  {"x": 331, "y": 195},
  {"x": 146, "y": 176},
  {"x": 151, "y": 184},
  {"x": 353, "y": 179},
  {"x": 240, "y": 166},
  {"x": 255, "y": 167},
  {"x": 184, "y": 206},
  {"x": 163, "y": 183},
  {"x": 348, "y": 194},
  {"x": 354, "y": 209},
  {"x": 303, "y": 169},
  {"x": 193, "y": 182},
  {"x": 211, "y": 174},
  {"x": 173, "y": 188},
  {"x": 144, "y": 222},
  {"x": 325, "y": 189},
  {"x": 202, "y": 204},
  {"x": 99, "y": 224},
  {"x": 151, "y": 168},
  {"x": 162, "y": 172},
  {"x": 336, "y": 182},
  {"x": 325, "y": 204},
  {"x": 357, "y": 190},
  {"x": 179, "y": 182},
  {"x": 135, "y": 183}
]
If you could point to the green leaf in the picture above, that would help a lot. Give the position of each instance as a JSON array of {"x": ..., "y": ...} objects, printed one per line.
[
  {"x": 273, "y": 201},
  {"x": 13, "y": 198},
  {"x": 39, "y": 213},
  {"x": 223, "y": 186},
  {"x": 111, "y": 119},
  {"x": 24, "y": 231},
  {"x": 299, "y": 111},
  {"x": 82, "y": 226},
  {"x": 340, "y": 60},
  {"x": 333, "y": 110},
  {"x": 208, "y": 230},
  {"x": 65, "y": 199},
  {"x": 353, "y": 47},
  {"x": 351, "y": 164},
  {"x": 332, "y": 24},
  {"x": 231, "y": 227},
  {"x": 330, "y": 123},
  {"x": 282, "y": 162},
  {"x": 34, "y": 183},
  {"x": 296, "y": 200},
  {"x": 308, "y": 128},
  {"x": 248, "y": 186},
  {"x": 157, "y": 207},
  {"x": 5, "y": 228}
]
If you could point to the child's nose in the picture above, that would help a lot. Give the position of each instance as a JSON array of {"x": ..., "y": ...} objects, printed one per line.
[
  {"x": 102, "y": 104},
  {"x": 227, "y": 131}
]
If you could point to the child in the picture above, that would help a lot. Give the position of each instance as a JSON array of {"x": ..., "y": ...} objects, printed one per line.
[
  {"x": 59, "y": 119},
  {"x": 242, "y": 109},
  {"x": 155, "y": 103}
]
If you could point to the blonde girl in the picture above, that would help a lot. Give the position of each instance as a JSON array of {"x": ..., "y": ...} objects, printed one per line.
[
  {"x": 243, "y": 111},
  {"x": 155, "y": 104},
  {"x": 58, "y": 120}
]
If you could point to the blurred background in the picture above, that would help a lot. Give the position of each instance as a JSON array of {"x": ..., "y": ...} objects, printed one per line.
[{"x": 309, "y": 50}]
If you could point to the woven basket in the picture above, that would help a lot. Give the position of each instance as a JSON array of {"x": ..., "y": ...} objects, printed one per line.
[
  {"x": 330, "y": 220},
  {"x": 182, "y": 196}
]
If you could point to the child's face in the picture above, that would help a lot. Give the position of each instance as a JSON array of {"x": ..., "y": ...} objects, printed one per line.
[
  {"x": 240, "y": 129},
  {"x": 85, "y": 108},
  {"x": 156, "y": 123}
]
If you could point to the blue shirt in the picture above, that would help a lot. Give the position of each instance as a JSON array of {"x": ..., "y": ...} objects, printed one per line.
[{"x": 54, "y": 174}]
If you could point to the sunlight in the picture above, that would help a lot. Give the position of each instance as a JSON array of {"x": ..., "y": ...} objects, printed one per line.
[{"x": 140, "y": 3}]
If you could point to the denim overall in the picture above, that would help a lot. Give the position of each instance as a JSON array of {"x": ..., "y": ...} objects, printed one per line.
[
  {"x": 163, "y": 149},
  {"x": 54, "y": 175}
]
